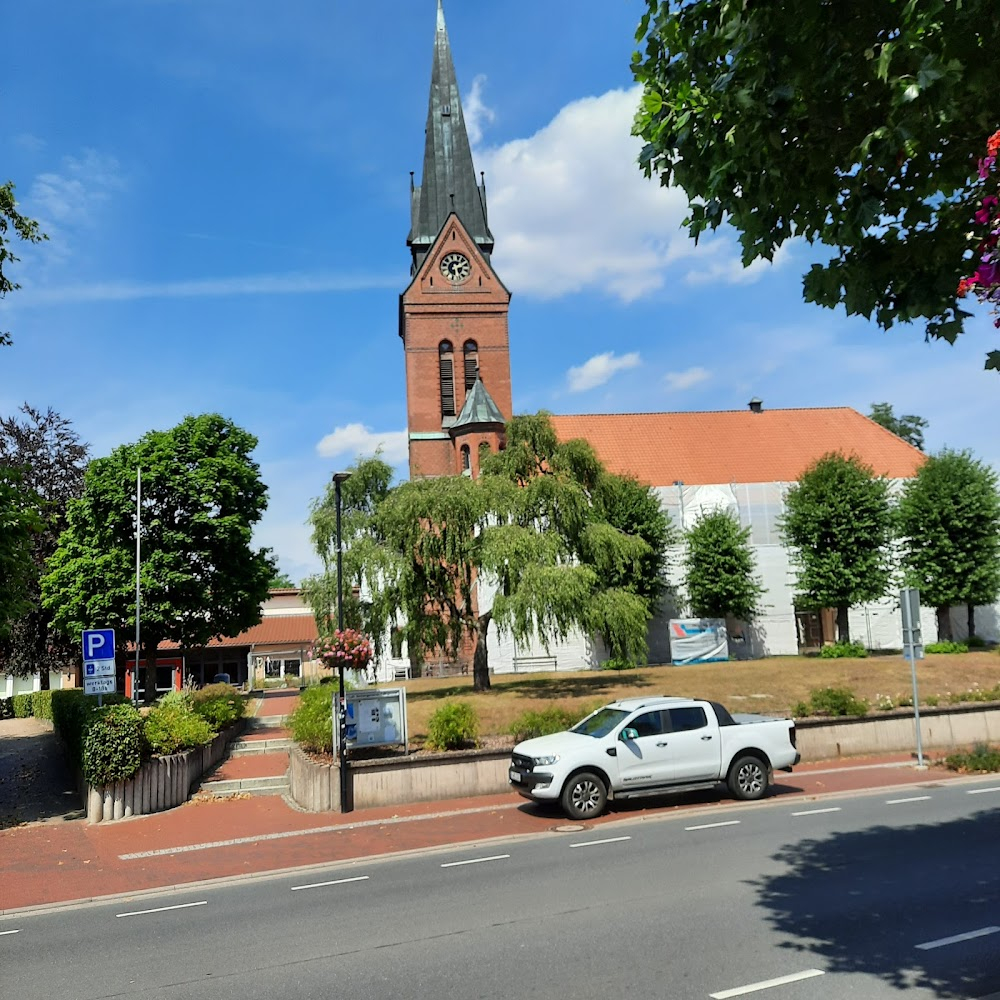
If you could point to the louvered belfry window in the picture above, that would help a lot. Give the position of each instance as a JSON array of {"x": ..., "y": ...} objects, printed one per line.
[
  {"x": 446, "y": 377},
  {"x": 471, "y": 352}
]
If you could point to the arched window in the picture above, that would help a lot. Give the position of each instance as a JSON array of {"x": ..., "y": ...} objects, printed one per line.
[
  {"x": 471, "y": 352},
  {"x": 446, "y": 378},
  {"x": 466, "y": 460}
]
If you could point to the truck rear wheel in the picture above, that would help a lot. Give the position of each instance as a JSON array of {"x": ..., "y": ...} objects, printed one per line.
[
  {"x": 584, "y": 796},
  {"x": 748, "y": 778}
]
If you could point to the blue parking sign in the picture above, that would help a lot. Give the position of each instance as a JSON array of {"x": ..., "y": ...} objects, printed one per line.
[{"x": 98, "y": 644}]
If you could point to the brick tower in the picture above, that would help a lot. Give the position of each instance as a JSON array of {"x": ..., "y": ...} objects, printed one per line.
[{"x": 453, "y": 314}]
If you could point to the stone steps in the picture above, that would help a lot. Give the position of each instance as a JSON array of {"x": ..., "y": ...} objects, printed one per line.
[
  {"x": 242, "y": 748},
  {"x": 277, "y": 785}
]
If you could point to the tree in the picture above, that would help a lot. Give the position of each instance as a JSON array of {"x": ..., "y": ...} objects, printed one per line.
[
  {"x": 839, "y": 525},
  {"x": 949, "y": 518},
  {"x": 50, "y": 458},
  {"x": 857, "y": 124},
  {"x": 281, "y": 581},
  {"x": 200, "y": 577},
  {"x": 720, "y": 569},
  {"x": 19, "y": 523},
  {"x": 24, "y": 228},
  {"x": 908, "y": 427}
]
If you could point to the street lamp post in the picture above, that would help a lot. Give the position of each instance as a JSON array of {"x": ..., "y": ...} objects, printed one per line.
[{"x": 338, "y": 478}]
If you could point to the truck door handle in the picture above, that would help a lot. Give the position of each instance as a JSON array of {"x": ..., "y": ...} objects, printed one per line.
[
  {"x": 661, "y": 744},
  {"x": 706, "y": 737}
]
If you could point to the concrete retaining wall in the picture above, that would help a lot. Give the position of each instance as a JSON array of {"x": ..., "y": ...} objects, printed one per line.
[
  {"x": 396, "y": 781},
  {"x": 161, "y": 783}
]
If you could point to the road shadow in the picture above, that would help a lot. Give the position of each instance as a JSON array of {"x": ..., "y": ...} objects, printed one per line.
[
  {"x": 861, "y": 902},
  {"x": 35, "y": 782}
]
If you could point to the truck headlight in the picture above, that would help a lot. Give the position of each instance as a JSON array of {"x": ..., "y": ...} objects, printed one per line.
[{"x": 543, "y": 761}]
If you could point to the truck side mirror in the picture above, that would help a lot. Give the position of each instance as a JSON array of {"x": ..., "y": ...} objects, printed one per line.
[{"x": 628, "y": 734}]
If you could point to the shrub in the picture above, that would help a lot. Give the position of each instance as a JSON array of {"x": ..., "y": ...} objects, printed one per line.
[
  {"x": 982, "y": 757},
  {"x": 220, "y": 704},
  {"x": 71, "y": 711},
  {"x": 312, "y": 721},
  {"x": 617, "y": 663},
  {"x": 831, "y": 701},
  {"x": 174, "y": 727},
  {"x": 946, "y": 647},
  {"x": 976, "y": 642},
  {"x": 453, "y": 726},
  {"x": 174, "y": 699},
  {"x": 6, "y": 708},
  {"x": 553, "y": 719},
  {"x": 22, "y": 706},
  {"x": 932, "y": 701},
  {"x": 854, "y": 650},
  {"x": 41, "y": 704},
  {"x": 113, "y": 745}
]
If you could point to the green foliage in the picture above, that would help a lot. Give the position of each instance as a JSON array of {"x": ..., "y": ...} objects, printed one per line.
[
  {"x": 220, "y": 704},
  {"x": 949, "y": 519},
  {"x": 831, "y": 701},
  {"x": 41, "y": 704},
  {"x": 201, "y": 497},
  {"x": 946, "y": 647},
  {"x": 22, "y": 706},
  {"x": 113, "y": 745},
  {"x": 720, "y": 569},
  {"x": 981, "y": 758},
  {"x": 172, "y": 727},
  {"x": 533, "y": 723},
  {"x": 19, "y": 523},
  {"x": 843, "y": 650},
  {"x": 617, "y": 664},
  {"x": 71, "y": 712},
  {"x": 173, "y": 699},
  {"x": 453, "y": 726},
  {"x": 24, "y": 229},
  {"x": 281, "y": 581},
  {"x": 839, "y": 525},
  {"x": 976, "y": 642},
  {"x": 312, "y": 721},
  {"x": 854, "y": 124},
  {"x": 908, "y": 427}
]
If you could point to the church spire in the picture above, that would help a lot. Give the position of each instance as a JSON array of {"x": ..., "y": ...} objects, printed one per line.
[{"x": 449, "y": 176}]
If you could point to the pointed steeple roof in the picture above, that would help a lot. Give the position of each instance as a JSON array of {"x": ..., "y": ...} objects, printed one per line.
[
  {"x": 479, "y": 408},
  {"x": 449, "y": 178}
]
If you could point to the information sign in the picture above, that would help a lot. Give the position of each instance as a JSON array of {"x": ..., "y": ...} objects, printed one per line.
[{"x": 99, "y": 661}]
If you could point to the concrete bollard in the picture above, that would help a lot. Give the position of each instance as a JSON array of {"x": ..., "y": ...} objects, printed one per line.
[
  {"x": 119, "y": 801},
  {"x": 95, "y": 804},
  {"x": 130, "y": 794},
  {"x": 109, "y": 802}
]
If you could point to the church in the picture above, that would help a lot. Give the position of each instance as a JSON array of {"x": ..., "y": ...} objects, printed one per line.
[{"x": 453, "y": 323}]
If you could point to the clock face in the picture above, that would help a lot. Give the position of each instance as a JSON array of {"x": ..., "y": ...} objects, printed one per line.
[{"x": 455, "y": 267}]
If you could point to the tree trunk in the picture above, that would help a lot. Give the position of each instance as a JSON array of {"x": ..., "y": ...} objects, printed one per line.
[
  {"x": 843, "y": 625},
  {"x": 149, "y": 655},
  {"x": 480, "y": 658},
  {"x": 971, "y": 612},
  {"x": 944, "y": 623}
]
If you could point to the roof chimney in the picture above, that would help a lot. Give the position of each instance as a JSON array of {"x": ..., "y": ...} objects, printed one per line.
[{"x": 756, "y": 405}]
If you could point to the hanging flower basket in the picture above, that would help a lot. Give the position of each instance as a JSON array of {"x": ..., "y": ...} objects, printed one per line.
[
  {"x": 984, "y": 282},
  {"x": 347, "y": 648}
]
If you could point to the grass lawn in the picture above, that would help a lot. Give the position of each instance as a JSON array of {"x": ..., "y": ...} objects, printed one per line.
[{"x": 769, "y": 686}]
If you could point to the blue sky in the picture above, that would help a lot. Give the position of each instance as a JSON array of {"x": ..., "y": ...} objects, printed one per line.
[{"x": 225, "y": 187}]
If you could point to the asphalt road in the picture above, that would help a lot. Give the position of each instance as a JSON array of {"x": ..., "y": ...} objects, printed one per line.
[{"x": 867, "y": 896}]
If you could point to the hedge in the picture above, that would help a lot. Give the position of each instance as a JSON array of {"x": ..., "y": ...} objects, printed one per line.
[
  {"x": 220, "y": 704},
  {"x": 113, "y": 745},
  {"x": 173, "y": 727}
]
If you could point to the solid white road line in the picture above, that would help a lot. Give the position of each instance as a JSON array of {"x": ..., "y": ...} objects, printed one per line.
[
  {"x": 712, "y": 826},
  {"x": 594, "y": 843},
  {"x": 899, "y": 802},
  {"x": 982, "y": 791},
  {"x": 767, "y": 984},
  {"x": 943, "y": 942},
  {"x": 475, "y": 861},
  {"x": 161, "y": 909},
  {"x": 18, "y": 931},
  {"x": 816, "y": 812},
  {"x": 336, "y": 881}
]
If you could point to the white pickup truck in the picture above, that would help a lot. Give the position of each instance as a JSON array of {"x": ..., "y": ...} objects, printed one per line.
[{"x": 648, "y": 746}]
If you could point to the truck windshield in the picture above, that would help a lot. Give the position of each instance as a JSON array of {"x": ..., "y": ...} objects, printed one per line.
[{"x": 600, "y": 723}]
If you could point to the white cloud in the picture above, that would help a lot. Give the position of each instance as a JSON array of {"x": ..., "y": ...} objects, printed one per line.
[
  {"x": 678, "y": 381},
  {"x": 599, "y": 369},
  {"x": 727, "y": 268},
  {"x": 575, "y": 211},
  {"x": 477, "y": 114},
  {"x": 68, "y": 197},
  {"x": 356, "y": 439}
]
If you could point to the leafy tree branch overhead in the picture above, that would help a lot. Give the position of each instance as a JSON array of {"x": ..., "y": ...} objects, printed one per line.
[
  {"x": 857, "y": 124},
  {"x": 25, "y": 229}
]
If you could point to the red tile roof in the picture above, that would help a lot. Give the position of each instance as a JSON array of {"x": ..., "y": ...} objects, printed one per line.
[
  {"x": 286, "y": 630},
  {"x": 736, "y": 446}
]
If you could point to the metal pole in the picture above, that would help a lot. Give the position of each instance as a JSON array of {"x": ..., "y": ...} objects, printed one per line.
[
  {"x": 138, "y": 544},
  {"x": 909, "y": 644},
  {"x": 340, "y": 667}
]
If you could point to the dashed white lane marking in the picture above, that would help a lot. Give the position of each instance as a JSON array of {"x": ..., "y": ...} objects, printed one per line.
[
  {"x": 816, "y": 812},
  {"x": 958, "y": 938},
  {"x": 594, "y": 843},
  {"x": 767, "y": 984},
  {"x": 475, "y": 861},
  {"x": 914, "y": 798},
  {"x": 982, "y": 791},
  {"x": 162, "y": 909},
  {"x": 2, "y": 933},
  {"x": 336, "y": 881},
  {"x": 712, "y": 826}
]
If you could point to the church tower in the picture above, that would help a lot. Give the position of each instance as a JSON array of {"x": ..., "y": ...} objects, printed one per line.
[{"x": 453, "y": 314}]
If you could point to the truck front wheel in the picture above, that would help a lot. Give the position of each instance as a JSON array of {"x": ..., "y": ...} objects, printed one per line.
[
  {"x": 748, "y": 778},
  {"x": 584, "y": 796}
]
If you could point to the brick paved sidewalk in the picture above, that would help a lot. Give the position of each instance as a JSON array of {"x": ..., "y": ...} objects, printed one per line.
[{"x": 44, "y": 863}]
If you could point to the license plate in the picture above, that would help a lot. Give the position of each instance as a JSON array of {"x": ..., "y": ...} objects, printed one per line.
[{"x": 514, "y": 776}]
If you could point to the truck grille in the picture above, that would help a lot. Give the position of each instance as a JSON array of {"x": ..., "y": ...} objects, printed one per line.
[{"x": 522, "y": 763}]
